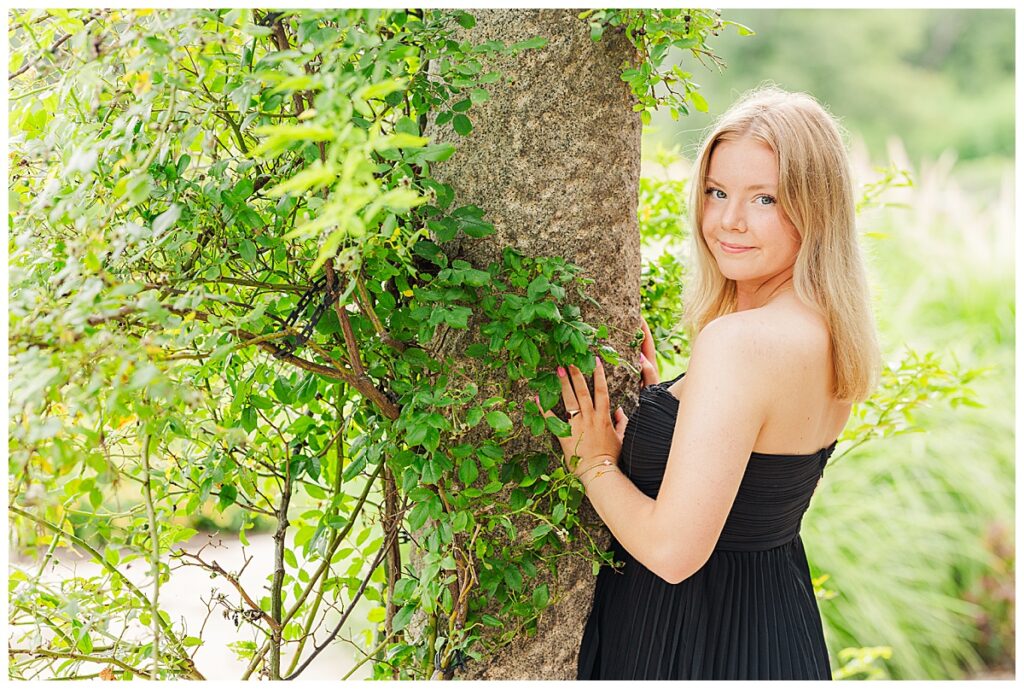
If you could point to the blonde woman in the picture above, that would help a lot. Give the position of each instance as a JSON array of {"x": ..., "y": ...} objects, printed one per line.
[{"x": 705, "y": 488}]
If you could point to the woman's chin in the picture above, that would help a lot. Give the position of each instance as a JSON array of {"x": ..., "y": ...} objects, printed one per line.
[{"x": 730, "y": 273}]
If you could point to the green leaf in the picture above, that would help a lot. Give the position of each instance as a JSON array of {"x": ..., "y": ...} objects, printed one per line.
[
  {"x": 547, "y": 310},
  {"x": 166, "y": 219},
  {"x": 462, "y": 124},
  {"x": 289, "y": 557},
  {"x": 474, "y": 415},
  {"x": 403, "y": 617},
  {"x": 433, "y": 153},
  {"x": 540, "y": 531},
  {"x": 558, "y": 514},
  {"x": 157, "y": 45},
  {"x": 400, "y": 140},
  {"x": 417, "y": 434},
  {"x": 247, "y": 250},
  {"x": 530, "y": 353},
  {"x": 499, "y": 421},
  {"x": 468, "y": 471},
  {"x": 538, "y": 286},
  {"x": 85, "y": 642},
  {"x": 228, "y": 493},
  {"x": 183, "y": 163},
  {"x": 535, "y": 423},
  {"x": 381, "y": 89},
  {"x": 698, "y": 101},
  {"x": 528, "y": 44},
  {"x": 513, "y": 578},
  {"x": 558, "y": 427},
  {"x": 458, "y": 316},
  {"x": 540, "y": 595},
  {"x": 418, "y": 516}
]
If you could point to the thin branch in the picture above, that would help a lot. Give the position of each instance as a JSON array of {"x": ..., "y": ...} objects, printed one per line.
[
  {"x": 319, "y": 571},
  {"x": 147, "y": 494},
  {"x": 242, "y": 282},
  {"x": 366, "y": 306},
  {"x": 215, "y": 567},
  {"x": 276, "y": 599},
  {"x": 46, "y": 653},
  {"x": 348, "y": 611},
  {"x": 362, "y": 382},
  {"x": 325, "y": 371}
]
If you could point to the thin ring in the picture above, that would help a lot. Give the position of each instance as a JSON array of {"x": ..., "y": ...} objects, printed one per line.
[{"x": 572, "y": 413}]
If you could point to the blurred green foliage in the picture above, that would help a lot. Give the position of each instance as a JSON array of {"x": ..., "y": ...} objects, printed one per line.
[{"x": 937, "y": 79}]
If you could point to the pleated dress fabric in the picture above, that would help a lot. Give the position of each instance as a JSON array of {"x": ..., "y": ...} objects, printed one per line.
[{"x": 749, "y": 613}]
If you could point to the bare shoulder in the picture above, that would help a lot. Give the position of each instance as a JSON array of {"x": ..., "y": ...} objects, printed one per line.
[
  {"x": 786, "y": 331},
  {"x": 779, "y": 339}
]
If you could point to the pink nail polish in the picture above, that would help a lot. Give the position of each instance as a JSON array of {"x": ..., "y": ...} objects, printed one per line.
[{"x": 561, "y": 372}]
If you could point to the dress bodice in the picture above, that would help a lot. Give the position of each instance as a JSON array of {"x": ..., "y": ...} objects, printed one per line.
[{"x": 773, "y": 495}]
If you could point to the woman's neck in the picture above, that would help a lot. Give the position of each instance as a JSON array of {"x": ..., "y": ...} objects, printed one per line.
[{"x": 754, "y": 295}]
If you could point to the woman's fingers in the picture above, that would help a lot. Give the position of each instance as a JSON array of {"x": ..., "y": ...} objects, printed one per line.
[
  {"x": 568, "y": 395},
  {"x": 647, "y": 346},
  {"x": 601, "y": 403},
  {"x": 579, "y": 384},
  {"x": 620, "y": 423},
  {"x": 648, "y": 374}
]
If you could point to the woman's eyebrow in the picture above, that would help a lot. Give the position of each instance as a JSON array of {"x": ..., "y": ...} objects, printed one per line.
[{"x": 711, "y": 180}]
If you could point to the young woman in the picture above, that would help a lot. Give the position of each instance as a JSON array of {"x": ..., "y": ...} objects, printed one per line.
[{"x": 705, "y": 488}]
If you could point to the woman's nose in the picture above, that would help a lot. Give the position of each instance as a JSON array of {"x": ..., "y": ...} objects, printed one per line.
[{"x": 733, "y": 217}]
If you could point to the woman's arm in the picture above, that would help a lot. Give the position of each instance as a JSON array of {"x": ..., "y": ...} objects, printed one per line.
[{"x": 723, "y": 404}]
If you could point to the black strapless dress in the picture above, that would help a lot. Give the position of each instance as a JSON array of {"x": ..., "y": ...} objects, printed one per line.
[{"x": 749, "y": 613}]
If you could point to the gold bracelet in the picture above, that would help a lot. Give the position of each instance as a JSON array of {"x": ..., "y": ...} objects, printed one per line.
[
  {"x": 600, "y": 473},
  {"x": 605, "y": 463}
]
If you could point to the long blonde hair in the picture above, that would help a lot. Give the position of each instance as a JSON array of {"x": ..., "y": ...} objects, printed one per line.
[{"x": 816, "y": 194}]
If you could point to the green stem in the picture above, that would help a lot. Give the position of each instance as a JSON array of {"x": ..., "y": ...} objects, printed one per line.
[
  {"x": 154, "y": 540},
  {"x": 316, "y": 575}
]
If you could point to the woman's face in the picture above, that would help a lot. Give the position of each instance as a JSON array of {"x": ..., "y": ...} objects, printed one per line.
[{"x": 744, "y": 227}]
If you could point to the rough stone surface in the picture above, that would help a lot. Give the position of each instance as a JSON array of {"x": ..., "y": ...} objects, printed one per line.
[{"x": 554, "y": 160}]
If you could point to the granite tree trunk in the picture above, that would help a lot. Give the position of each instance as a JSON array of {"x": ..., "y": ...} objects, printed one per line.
[{"x": 554, "y": 160}]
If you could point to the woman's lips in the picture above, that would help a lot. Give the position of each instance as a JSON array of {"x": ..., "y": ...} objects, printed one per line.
[{"x": 734, "y": 248}]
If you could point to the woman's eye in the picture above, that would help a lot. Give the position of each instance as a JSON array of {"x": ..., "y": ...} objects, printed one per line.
[
  {"x": 715, "y": 193},
  {"x": 766, "y": 200}
]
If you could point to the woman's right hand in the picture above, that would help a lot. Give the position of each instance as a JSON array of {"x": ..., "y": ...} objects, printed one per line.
[{"x": 648, "y": 357}]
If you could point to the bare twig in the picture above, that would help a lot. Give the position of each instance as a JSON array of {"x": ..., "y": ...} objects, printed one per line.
[
  {"x": 213, "y": 566},
  {"x": 362, "y": 383},
  {"x": 154, "y": 540},
  {"x": 366, "y": 306}
]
